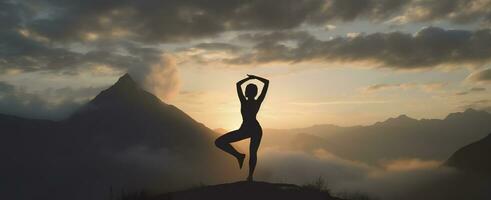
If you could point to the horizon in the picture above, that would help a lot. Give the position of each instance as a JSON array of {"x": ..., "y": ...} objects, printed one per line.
[{"x": 308, "y": 126}]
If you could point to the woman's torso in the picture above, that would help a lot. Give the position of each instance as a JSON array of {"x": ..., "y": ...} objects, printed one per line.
[{"x": 249, "y": 110}]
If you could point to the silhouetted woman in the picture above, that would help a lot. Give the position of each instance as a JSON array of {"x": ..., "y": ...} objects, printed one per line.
[{"x": 250, "y": 127}]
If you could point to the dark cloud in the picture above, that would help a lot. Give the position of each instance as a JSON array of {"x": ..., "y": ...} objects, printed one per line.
[
  {"x": 483, "y": 104},
  {"x": 166, "y": 21},
  {"x": 472, "y": 90},
  {"x": 175, "y": 20},
  {"x": 26, "y": 54},
  {"x": 427, "y": 48},
  {"x": 477, "y": 89},
  {"x": 6, "y": 88},
  {"x": 32, "y": 42},
  {"x": 481, "y": 76},
  {"x": 39, "y": 35},
  {"x": 147, "y": 64},
  {"x": 458, "y": 11},
  {"x": 212, "y": 46},
  {"x": 379, "y": 87}
]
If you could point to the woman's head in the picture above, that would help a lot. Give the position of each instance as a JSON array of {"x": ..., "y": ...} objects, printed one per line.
[{"x": 251, "y": 91}]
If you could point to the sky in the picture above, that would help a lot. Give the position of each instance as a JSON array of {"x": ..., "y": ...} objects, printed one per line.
[{"x": 343, "y": 62}]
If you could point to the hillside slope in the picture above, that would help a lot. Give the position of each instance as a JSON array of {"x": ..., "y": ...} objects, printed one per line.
[
  {"x": 474, "y": 157},
  {"x": 125, "y": 138}
]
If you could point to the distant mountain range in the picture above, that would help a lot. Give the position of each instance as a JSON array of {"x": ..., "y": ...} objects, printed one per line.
[
  {"x": 125, "y": 138},
  {"x": 396, "y": 138}
]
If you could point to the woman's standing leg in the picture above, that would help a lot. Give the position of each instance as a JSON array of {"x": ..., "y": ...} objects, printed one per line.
[{"x": 254, "y": 146}]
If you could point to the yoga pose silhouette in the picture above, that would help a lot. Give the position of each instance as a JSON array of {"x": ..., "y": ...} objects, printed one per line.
[{"x": 250, "y": 127}]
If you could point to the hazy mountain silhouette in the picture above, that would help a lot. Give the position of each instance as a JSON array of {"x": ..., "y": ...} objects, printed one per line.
[
  {"x": 474, "y": 158},
  {"x": 395, "y": 138},
  {"x": 131, "y": 115},
  {"x": 471, "y": 180},
  {"x": 124, "y": 138}
]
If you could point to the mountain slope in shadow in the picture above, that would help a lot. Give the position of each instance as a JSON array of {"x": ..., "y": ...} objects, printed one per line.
[
  {"x": 125, "y": 138},
  {"x": 474, "y": 158},
  {"x": 248, "y": 191}
]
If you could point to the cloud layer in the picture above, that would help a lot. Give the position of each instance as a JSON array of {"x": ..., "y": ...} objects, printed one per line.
[
  {"x": 481, "y": 76},
  {"x": 69, "y": 36},
  {"x": 54, "y": 104},
  {"x": 152, "y": 21},
  {"x": 113, "y": 37},
  {"x": 429, "y": 47}
]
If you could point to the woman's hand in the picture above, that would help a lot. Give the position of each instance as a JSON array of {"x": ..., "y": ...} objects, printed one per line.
[
  {"x": 244, "y": 80},
  {"x": 250, "y": 76}
]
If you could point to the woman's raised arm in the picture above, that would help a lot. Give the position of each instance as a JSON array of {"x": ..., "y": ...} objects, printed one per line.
[
  {"x": 240, "y": 93},
  {"x": 265, "y": 87}
]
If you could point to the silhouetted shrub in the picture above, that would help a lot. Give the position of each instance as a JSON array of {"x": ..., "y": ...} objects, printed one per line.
[
  {"x": 355, "y": 196},
  {"x": 142, "y": 195},
  {"x": 319, "y": 184}
]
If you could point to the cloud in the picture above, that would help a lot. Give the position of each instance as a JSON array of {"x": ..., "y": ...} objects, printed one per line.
[
  {"x": 32, "y": 42},
  {"x": 161, "y": 78},
  {"x": 477, "y": 89},
  {"x": 456, "y": 11},
  {"x": 217, "y": 46},
  {"x": 483, "y": 76},
  {"x": 206, "y": 53},
  {"x": 300, "y": 167},
  {"x": 427, "y": 87},
  {"x": 428, "y": 48},
  {"x": 411, "y": 164},
  {"x": 53, "y": 104},
  {"x": 397, "y": 179},
  {"x": 156, "y": 168},
  {"x": 113, "y": 37},
  {"x": 165, "y": 21},
  {"x": 380, "y": 87},
  {"x": 484, "y": 104},
  {"x": 471, "y": 91},
  {"x": 40, "y": 35},
  {"x": 107, "y": 58},
  {"x": 330, "y": 27},
  {"x": 337, "y": 103},
  {"x": 461, "y": 93}
]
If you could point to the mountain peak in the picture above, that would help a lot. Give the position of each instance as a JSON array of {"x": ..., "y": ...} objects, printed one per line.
[
  {"x": 125, "y": 81},
  {"x": 124, "y": 96},
  {"x": 125, "y": 93},
  {"x": 468, "y": 113},
  {"x": 470, "y": 110},
  {"x": 401, "y": 119}
]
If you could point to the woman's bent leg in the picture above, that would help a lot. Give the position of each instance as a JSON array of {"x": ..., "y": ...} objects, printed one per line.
[
  {"x": 223, "y": 142},
  {"x": 254, "y": 146}
]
